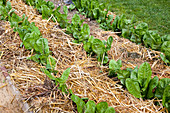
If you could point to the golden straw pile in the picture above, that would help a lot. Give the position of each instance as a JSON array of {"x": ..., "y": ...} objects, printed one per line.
[{"x": 87, "y": 78}]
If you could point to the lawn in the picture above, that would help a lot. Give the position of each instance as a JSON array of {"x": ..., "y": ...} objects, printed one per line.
[{"x": 154, "y": 12}]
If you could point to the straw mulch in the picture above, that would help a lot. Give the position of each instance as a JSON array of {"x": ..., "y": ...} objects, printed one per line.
[{"x": 87, "y": 78}]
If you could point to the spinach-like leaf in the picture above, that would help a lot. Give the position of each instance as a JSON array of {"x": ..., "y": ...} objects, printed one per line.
[
  {"x": 126, "y": 33},
  {"x": 85, "y": 32},
  {"x": 96, "y": 13},
  {"x": 26, "y": 28},
  {"x": 72, "y": 7},
  {"x": 114, "y": 67},
  {"x": 61, "y": 18},
  {"x": 63, "y": 77},
  {"x": 123, "y": 75},
  {"x": 76, "y": 20},
  {"x": 109, "y": 43},
  {"x": 31, "y": 2},
  {"x": 46, "y": 11},
  {"x": 62, "y": 80},
  {"x": 107, "y": 24},
  {"x": 88, "y": 45},
  {"x": 121, "y": 22},
  {"x": 79, "y": 102},
  {"x": 153, "y": 40},
  {"x": 165, "y": 48},
  {"x": 166, "y": 97},
  {"x": 141, "y": 29},
  {"x": 115, "y": 23},
  {"x": 8, "y": 6},
  {"x": 133, "y": 87},
  {"x": 99, "y": 48},
  {"x": 101, "y": 107},
  {"x": 110, "y": 110},
  {"x": 25, "y": 21},
  {"x": 3, "y": 2},
  {"x": 5, "y": 7},
  {"x": 165, "y": 38},
  {"x": 90, "y": 107},
  {"x": 50, "y": 5},
  {"x": 164, "y": 58},
  {"x": 134, "y": 74},
  {"x": 50, "y": 62},
  {"x": 30, "y": 40},
  {"x": 162, "y": 84},
  {"x": 43, "y": 59},
  {"x": 35, "y": 58},
  {"x": 153, "y": 83},
  {"x": 22, "y": 31},
  {"x": 41, "y": 46},
  {"x": 77, "y": 3},
  {"x": 139, "y": 32},
  {"x": 144, "y": 75},
  {"x": 48, "y": 74},
  {"x": 38, "y": 4},
  {"x": 32, "y": 28},
  {"x": 65, "y": 9},
  {"x": 14, "y": 20}
]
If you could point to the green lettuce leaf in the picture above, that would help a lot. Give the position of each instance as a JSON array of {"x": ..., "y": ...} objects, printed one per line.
[
  {"x": 144, "y": 75},
  {"x": 166, "y": 97},
  {"x": 153, "y": 84},
  {"x": 90, "y": 107},
  {"x": 133, "y": 87},
  {"x": 162, "y": 84},
  {"x": 101, "y": 107}
]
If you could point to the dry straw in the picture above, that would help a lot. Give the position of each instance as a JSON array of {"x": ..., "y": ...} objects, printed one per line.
[{"x": 87, "y": 78}]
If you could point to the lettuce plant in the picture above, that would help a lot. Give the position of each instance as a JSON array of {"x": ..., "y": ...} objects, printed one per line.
[
  {"x": 5, "y": 7},
  {"x": 162, "y": 84},
  {"x": 166, "y": 98},
  {"x": 165, "y": 48},
  {"x": 90, "y": 106},
  {"x": 99, "y": 48},
  {"x": 153, "y": 40},
  {"x": 61, "y": 18}
]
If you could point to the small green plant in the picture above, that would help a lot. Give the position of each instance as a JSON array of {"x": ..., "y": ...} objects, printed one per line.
[
  {"x": 61, "y": 18},
  {"x": 114, "y": 67},
  {"x": 100, "y": 48},
  {"x": 92, "y": 8},
  {"x": 163, "y": 57},
  {"x": 60, "y": 82},
  {"x": 139, "y": 32},
  {"x": 90, "y": 106},
  {"x": 5, "y": 8},
  {"x": 78, "y": 32},
  {"x": 162, "y": 84},
  {"x": 166, "y": 97},
  {"x": 139, "y": 82},
  {"x": 72, "y": 7}
]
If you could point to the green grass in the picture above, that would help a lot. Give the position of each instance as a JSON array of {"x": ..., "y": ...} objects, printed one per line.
[{"x": 154, "y": 12}]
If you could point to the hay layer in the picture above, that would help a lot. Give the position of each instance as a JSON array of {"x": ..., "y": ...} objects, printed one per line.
[{"x": 87, "y": 78}]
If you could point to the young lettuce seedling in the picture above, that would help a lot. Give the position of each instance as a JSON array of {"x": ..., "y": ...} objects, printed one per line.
[
  {"x": 90, "y": 106},
  {"x": 99, "y": 48}
]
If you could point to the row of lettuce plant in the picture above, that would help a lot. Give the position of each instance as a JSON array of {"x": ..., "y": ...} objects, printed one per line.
[
  {"x": 138, "y": 33},
  {"x": 80, "y": 31},
  {"x": 139, "y": 83},
  {"x": 32, "y": 40},
  {"x": 142, "y": 84}
]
